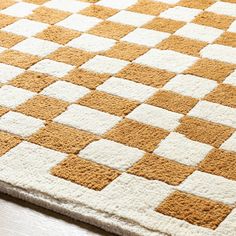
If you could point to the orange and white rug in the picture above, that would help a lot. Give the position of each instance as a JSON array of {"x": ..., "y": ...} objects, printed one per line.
[{"x": 122, "y": 113}]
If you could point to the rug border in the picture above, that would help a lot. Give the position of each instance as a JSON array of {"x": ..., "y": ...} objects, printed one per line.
[{"x": 93, "y": 217}]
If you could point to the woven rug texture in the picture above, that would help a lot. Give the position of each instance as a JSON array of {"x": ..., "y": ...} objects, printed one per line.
[{"x": 122, "y": 113}]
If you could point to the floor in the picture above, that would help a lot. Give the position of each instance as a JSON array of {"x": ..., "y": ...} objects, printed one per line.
[{"x": 19, "y": 218}]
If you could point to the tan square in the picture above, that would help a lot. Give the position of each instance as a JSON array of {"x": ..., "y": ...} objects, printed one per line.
[
  {"x": 8, "y": 40},
  {"x": 182, "y": 45},
  {"x": 86, "y": 78},
  {"x": 126, "y": 51},
  {"x": 43, "y": 107},
  {"x": 32, "y": 81},
  {"x": 19, "y": 59},
  {"x": 111, "y": 30},
  {"x": 224, "y": 94},
  {"x": 58, "y": 34},
  {"x": 6, "y": 20},
  {"x": 85, "y": 173},
  {"x": 220, "y": 162},
  {"x": 108, "y": 103},
  {"x": 7, "y": 141},
  {"x": 172, "y": 101},
  {"x": 232, "y": 1},
  {"x": 62, "y": 138},
  {"x": 227, "y": 39},
  {"x": 3, "y": 110},
  {"x": 165, "y": 25},
  {"x": 6, "y": 3},
  {"x": 36, "y": 1},
  {"x": 158, "y": 168},
  {"x": 98, "y": 11},
  {"x": 146, "y": 75},
  {"x": 211, "y": 69},
  {"x": 199, "y": 4},
  {"x": 204, "y": 131},
  {"x": 214, "y": 20},
  {"x": 195, "y": 210},
  {"x": 48, "y": 15},
  {"x": 149, "y": 7},
  {"x": 135, "y": 134},
  {"x": 71, "y": 56}
]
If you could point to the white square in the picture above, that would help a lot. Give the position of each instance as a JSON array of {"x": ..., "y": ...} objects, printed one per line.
[
  {"x": 19, "y": 124},
  {"x": 2, "y": 49},
  {"x": 230, "y": 143},
  {"x": 180, "y": 13},
  {"x": 36, "y": 47},
  {"x": 199, "y": 32},
  {"x": 145, "y": 37},
  {"x": 11, "y": 96},
  {"x": 67, "y": 5},
  {"x": 127, "y": 89},
  {"x": 156, "y": 116},
  {"x": 167, "y": 60},
  {"x": 112, "y": 154},
  {"x": 101, "y": 64},
  {"x": 88, "y": 119},
  {"x": 181, "y": 149},
  {"x": 231, "y": 79},
  {"x": 79, "y": 22},
  {"x": 30, "y": 159},
  {"x": 54, "y": 68},
  {"x": 219, "y": 52},
  {"x": 92, "y": 43},
  {"x": 65, "y": 91},
  {"x": 8, "y": 72},
  {"x": 214, "y": 112},
  {"x": 190, "y": 85},
  {"x": 131, "y": 194},
  {"x": 210, "y": 186},
  {"x": 121, "y": 4},
  {"x": 227, "y": 226},
  {"x": 25, "y": 27},
  {"x": 223, "y": 8},
  {"x": 20, "y": 9},
  {"x": 131, "y": 18},
  {"x": 232, "y": 27}
]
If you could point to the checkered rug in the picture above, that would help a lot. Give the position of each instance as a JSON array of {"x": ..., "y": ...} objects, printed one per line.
[{"x": 122, "y": 113}]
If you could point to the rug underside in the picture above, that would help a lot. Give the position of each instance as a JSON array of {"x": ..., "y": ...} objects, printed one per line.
[{"x": 122, "y": 113}]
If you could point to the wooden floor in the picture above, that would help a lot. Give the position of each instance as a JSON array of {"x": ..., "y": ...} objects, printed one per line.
[{"x": 18, "y": 218}]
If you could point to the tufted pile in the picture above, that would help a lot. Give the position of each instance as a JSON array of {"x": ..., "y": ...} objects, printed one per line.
[{"x": 122, "y": 113}]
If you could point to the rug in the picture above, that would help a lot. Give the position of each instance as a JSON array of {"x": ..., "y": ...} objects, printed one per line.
[{"x": 122, "y": 113}]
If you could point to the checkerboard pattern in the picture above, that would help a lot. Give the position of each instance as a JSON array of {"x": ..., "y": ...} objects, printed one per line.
[{"x": 127, "y": 107}]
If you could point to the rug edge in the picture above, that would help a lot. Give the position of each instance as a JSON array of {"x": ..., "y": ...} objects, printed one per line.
[{"x": 95, "y": 218}]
